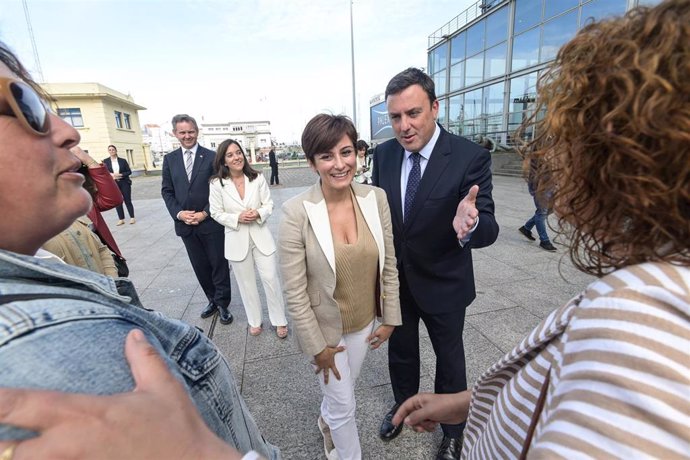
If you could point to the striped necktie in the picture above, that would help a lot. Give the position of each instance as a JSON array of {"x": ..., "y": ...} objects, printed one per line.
[
  {"x": 412, "y": 183},
  {"x": 188, "y": 163}
]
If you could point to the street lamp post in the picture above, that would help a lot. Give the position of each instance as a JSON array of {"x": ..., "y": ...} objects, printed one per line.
[{"x": 352, "y": 50}]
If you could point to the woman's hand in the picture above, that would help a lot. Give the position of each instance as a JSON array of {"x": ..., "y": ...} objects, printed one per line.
[
  {"x": 424, "y": 411},
  {"x": 325, "y": 361},
  {"x": 248, "y": 216},
  {"x": 380, "y": 335}
]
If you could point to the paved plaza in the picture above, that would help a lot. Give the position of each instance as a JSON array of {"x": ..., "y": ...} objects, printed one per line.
[{"x": 518, "y": 284}]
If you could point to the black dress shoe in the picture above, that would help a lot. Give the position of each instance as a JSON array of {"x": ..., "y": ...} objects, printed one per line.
[
  {"x": 209, "y": 310},
  {"x": 225, "y": 315},
  {"x": 450, "y": 448},
  {"x": 389, "y": 431}
]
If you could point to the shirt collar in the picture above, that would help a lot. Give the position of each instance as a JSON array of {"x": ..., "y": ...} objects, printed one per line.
[
  {"x": 429, "y": 147},
  {"x": 193, "y": 149}
]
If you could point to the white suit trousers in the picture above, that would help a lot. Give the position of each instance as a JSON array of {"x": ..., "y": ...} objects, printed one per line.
[
  {"x": 245, "y": 275},
  {"x": 338, "y": 404}
]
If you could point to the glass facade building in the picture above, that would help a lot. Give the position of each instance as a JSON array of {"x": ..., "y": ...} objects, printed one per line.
[{"x": 486, "y": 61}]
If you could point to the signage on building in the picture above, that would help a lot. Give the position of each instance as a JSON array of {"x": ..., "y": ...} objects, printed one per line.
[
  {"x": 380, "y": 123},
  {"x": 524, "y": 99}
]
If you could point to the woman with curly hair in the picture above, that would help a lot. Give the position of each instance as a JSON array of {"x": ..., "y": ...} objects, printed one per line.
[{"x": 608, "y": 374}]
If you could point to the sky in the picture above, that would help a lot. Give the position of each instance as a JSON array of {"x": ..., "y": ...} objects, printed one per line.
[{"x": 233, "y": 60}]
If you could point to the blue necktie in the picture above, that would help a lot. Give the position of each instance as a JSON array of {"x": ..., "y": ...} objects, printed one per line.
[{"x": 412, "y": 183}]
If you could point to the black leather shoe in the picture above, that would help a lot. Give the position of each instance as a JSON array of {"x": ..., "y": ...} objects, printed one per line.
[
  {"x": 527, "y": 233},
  {"x": 209, "y": 310},
  {"x": 389, "y": 431},
  {"x": 450, "y": 448},
  {"x": 225, "y": 315}
]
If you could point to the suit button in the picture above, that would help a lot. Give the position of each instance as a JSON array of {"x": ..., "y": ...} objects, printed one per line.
[{"x": 383, "y": 296}]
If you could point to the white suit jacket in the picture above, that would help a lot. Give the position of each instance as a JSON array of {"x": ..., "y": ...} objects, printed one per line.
[{"x": 226, "y": 205}]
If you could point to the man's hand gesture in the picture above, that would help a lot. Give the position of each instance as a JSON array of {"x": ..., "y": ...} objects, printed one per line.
[{"x": 466, "y": 215}]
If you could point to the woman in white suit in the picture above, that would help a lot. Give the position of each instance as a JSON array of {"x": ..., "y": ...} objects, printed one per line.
[
  {"x": 339, "y": 269},
  {"x": 239, "y": 200}
]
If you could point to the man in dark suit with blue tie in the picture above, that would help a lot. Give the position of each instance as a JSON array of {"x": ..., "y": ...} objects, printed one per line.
[
  {"x": 439, "y": 191},
  {"x": 185, "y": 188}
]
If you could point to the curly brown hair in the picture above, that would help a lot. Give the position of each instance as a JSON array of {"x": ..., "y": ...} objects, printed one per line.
[{"x": 613, "y": 139}]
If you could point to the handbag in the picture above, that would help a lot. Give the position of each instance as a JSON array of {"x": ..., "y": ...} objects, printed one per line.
[{"x": 121, "y": 265}]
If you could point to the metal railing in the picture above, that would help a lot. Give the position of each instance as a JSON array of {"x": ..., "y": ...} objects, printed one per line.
[{"x": 455, "y": 24}]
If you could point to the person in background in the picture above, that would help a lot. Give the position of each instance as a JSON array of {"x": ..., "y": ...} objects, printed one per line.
[
  {"x": 120, "y": 171},
  {"x": 239, "y": 199},
  {"x": 338, "y": 266},
  {"x": 541, "y": 203},
  {"x": 78, "y": 245},
  {"x": 274, "y": 167},
  {"x": 186, "y": 173},
  {"x": 363, "y": 171},
  {"x": 439, "y": 190},
  {"x": 63, "y": 328},
  {"x": 105, "y": 195},
  {"x": 608, "y": 374}
]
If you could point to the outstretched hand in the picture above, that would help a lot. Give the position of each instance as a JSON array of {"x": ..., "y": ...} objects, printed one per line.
[
  {"x": 466, "y": 215},
  {"x": 155, "y": 421},
  {"x": 424, "y": 411}
]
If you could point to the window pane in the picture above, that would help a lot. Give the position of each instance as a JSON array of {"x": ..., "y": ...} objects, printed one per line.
[
  {"x": 473, "y": 104},
  {"x": 495, "y": 61},
  {"x": 475, "y": 38},
  {"x": 552, "y": 8},
  {"x": 439, "y": 56},
  {"x": 457, "y": 48},
  {"x": 556, "y": 33},
  {"x": 526, "y": 49},
  {"x": 455, "y": 115},
  {"x": 442, "y": 112},
  {"x": 493, "y": 99},
  {"x": 600, "y": 9},
  {"x": 457, "y": 76},
  {"x": 527, "y": 14},
  {"x": 474, "y": 69},
  {"x": 523, "y": 94},
  {"x": 440, "y": 83},
  {"x": 497, "y": 27}
]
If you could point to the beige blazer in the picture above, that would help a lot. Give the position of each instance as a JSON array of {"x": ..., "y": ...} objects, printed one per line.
[
  {"x": 307, "y": 262},
  {"x": 226, "y": 205}
]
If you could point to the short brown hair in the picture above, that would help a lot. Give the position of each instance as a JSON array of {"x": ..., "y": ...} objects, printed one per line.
[
  {"x": 324, "y": 131},
  {"x": 183, "y": 117},
  {"x": 614, "y": 143}
]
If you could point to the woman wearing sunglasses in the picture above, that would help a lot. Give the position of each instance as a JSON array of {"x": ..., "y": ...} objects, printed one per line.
[{"x": 64, "y": 328}]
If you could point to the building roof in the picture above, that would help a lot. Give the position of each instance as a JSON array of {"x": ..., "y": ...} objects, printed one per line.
[{"x": 89, "y": 91}]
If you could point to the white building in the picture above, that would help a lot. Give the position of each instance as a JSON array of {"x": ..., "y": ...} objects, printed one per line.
[{"x": 254, "y": 136}]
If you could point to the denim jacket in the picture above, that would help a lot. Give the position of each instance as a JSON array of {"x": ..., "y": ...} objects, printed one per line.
[{"x": 63, "y": 328}]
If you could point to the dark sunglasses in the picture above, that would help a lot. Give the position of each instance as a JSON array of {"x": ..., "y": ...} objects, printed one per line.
[{"x": 21, "y": 101}]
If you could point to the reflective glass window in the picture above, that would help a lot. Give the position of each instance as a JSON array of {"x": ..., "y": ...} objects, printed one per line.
[
  {"x": 526, "y": 49},
  {"x": 493, "y": 99},
  {"x": 475, "y": 37},
  {"x": 497, "y": 27},
  {"x": 527, "y": 14},
  {"x": 523, "y": 92},
  {"x": 473, "y": 104},
  {"x": 457, "y": 76},
  {"x": 555, "y": 33},
  {"x": 440, "y": 83},
  {"x": 457, "y": 48},
  {"x": 648, "y": 2},
  {"x": 474, "y": 69},
  {"x": 552, "y": 8},
  {"x": 600, "y": 9},
  {"x": 442, "y": 103},
  {"x": 455, "y": 114},
  {"x": 495, "y": 61},
  {"x": 439, "y": 58}
]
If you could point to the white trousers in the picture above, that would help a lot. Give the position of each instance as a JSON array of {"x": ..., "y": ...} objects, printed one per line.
[
  {"x": 246, "y": 280},
  {"x": 338, "y": 404}
]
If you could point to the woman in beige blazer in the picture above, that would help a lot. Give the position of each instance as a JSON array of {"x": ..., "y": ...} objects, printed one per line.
[
  {"x": 239, "y": 200},
  {"x": 338, "y": 266}
]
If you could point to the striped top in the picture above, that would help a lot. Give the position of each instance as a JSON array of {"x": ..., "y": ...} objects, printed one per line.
[{"x": 619, "y": 363}]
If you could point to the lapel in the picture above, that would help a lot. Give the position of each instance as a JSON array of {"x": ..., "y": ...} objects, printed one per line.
[
  {"x": 317, "y": 213},
  {"x": 394, "y": 171},
  {"x": 370, "y": 211},
  {"x": 437, "y": 164}
]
